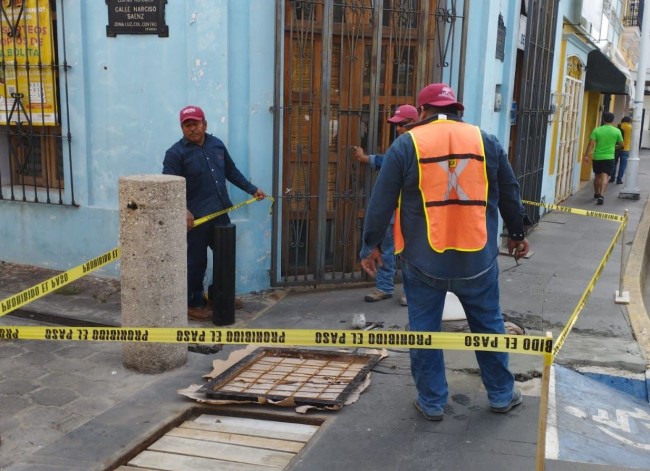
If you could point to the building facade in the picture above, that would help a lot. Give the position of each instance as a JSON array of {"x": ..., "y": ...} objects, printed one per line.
[
  {"x": 90, "y": 105},
  {"x": 291, "y": 86}
]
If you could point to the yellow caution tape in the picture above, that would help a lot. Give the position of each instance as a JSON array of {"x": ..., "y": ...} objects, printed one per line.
[
  {"x": 582, "y": 212},
  {"x": 48, "y": 286},
  {"x": 533, "y": 345},
  {"x": 39, "y": 290},
  {"x": 323, "y": 338},
  {"x": 209, "y": 217},
  {"x": 594, "y": 279},
  {"x": 585, "y": 295}
]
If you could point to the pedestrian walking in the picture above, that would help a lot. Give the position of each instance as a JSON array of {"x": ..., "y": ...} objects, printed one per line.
[
  {"x": 603, "y": 142},
  {"x": 204, "y": 162},
  {"x": 451, "y": 181},
  {"x": 620, "y": 159}
]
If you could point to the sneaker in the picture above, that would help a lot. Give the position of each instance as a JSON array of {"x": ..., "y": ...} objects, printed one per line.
[
  {"x": 596, "y": 196},
  {"x": 377, "y": 295},
  {"x": 432, "y": 418},
  {"x": 600, "y": 201},
  {"x": 403, "y": 301},
  {"x": 619, "y": 182},
  {"x": 514, "y": 402},
  {"x": 199, "y": 313}
]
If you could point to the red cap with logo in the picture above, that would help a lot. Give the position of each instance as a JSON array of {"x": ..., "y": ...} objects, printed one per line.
[
  {"x": 191, "y": 112},
  {"x": 438, "y": 94},
  {"x": 404, "y": 112}
]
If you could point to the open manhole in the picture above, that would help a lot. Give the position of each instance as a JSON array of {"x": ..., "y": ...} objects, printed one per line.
[
  {"x": 308, "y": 377},
  {"x": 225, "y": 443},
  {"x": 263, "y": 442}
]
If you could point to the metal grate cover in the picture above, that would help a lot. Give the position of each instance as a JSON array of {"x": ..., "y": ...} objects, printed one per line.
[{"x": 309, "y": 377}]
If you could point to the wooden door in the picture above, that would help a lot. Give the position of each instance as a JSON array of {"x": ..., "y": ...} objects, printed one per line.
[{"x": 347, "y": 65}]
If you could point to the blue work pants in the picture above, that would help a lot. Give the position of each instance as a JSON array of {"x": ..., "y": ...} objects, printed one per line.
[
  {"x": 386, "y": 272},
  {"x": 480, "y": 299},
  {"x": 198, "y": 240}
]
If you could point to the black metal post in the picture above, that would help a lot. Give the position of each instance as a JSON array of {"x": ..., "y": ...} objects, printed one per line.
[{"x": 223, "y": 275}]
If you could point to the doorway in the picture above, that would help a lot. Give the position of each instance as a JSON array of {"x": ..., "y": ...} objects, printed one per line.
[{"x": 347, "y": 64}]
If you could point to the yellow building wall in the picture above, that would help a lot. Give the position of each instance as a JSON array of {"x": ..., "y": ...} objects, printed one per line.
[
  {"x": 590, "y": 120},
  {"x": 558, "y": 112}
]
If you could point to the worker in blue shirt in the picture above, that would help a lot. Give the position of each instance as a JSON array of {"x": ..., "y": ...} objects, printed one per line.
[
  {"x": 385, "y": 285},
  {"x": 205, "y": 163},
  {"x": 450, "y": 181}
]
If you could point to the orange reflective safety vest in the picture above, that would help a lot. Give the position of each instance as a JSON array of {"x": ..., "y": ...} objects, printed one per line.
[{"x": 453, "y": 185}]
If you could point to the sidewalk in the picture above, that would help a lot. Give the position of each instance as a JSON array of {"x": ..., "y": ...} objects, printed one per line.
[{"x": 72, "y": 406}]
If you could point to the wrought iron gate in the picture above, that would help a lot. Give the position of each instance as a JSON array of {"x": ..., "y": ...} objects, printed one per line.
[
  {"x": 534, "y": 100},
  {"x": 347, "y": 65},
  {"x": 568, "y": 132}
]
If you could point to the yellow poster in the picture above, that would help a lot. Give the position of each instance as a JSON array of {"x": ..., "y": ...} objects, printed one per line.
[{"x": 27, "y": 69}]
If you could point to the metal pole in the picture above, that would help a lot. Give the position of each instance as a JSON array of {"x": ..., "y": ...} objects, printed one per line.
[
  {"x": 622, "y": 296},
  {"x": 463, "y": 48},
  {"x": 223, "y": 275},
  {"x": 631, "y": 189},
  {"x": 542, "y": 422}
]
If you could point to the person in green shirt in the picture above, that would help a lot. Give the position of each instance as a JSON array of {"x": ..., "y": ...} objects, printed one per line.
[{"x": 603, "y": 142}]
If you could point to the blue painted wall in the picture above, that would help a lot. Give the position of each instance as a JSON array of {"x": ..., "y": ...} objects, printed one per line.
[
  {"x": 124, "y": 97},
  {"x": 484, "y": 71}
]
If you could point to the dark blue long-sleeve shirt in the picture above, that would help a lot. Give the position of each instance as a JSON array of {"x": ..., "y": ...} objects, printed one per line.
[
  {"x": 206, "y": 169},
  {"x": 375, "y": 160}
]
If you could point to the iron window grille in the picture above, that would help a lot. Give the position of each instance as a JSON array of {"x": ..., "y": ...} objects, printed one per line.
[
  {"x": 35, "y": 155},
  {"x": 634, "y": 14}
]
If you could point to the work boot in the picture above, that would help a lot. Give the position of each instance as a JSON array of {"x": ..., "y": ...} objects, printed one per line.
[
  {"x": 432, "y": 417},
  {"x": 514, "y": 402},
  {"x": 200, "y": 313},
  {"x": 377, "y": 295}
]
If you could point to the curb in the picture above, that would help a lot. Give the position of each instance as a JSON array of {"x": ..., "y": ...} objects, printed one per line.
[{"x": 635, "y": 279}]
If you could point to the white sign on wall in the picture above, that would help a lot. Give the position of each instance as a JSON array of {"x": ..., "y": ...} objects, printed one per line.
[{"x": 521, "y": 36}]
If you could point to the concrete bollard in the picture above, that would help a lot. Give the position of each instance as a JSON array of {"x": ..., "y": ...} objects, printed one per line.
[{"x": 153, "y": 266}]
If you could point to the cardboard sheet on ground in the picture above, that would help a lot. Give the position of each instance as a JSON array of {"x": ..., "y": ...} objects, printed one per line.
[{"x": 219, "y": 366}]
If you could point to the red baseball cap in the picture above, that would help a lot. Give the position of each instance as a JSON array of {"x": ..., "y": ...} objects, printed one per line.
[
  {"x": 438, "y": 94},
  {"x": 403, "y": 113},
  {"x": 192, "y": 112}
]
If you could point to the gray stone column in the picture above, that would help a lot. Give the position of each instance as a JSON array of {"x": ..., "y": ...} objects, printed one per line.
[{"x": 153, "y": 266}]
